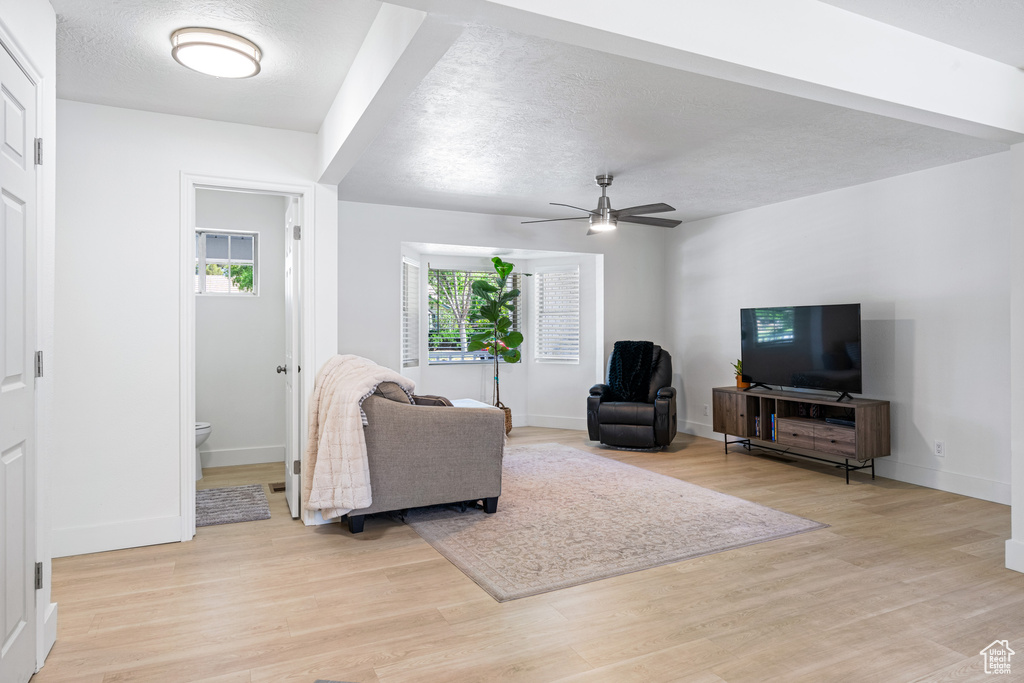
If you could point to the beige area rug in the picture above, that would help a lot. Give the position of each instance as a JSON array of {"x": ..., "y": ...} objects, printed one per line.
[{"x": 566, "y": 517}]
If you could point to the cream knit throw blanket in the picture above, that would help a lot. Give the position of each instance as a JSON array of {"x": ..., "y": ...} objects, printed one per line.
[{"x": 336, "y": 474}]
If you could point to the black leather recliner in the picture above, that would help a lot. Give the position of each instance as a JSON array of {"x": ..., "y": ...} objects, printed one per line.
[{"x": 650, "y": 424}]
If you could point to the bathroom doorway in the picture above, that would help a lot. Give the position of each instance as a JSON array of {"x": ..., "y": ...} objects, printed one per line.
[{"x": 245, "y": 337}]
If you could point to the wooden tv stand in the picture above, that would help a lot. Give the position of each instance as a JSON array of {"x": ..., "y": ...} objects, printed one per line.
[{"x": 795, "y": 424}]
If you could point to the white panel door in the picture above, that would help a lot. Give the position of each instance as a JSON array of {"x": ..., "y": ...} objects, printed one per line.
[
  {"x": 292, "y": 359},
  {"x": 17, "y": 373}
]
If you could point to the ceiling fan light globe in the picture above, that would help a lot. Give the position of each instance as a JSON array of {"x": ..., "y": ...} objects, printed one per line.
[{"x": 603, "y": 225}]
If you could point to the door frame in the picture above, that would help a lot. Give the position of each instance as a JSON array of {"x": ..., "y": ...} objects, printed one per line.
[{"x": 190, "y": 182}]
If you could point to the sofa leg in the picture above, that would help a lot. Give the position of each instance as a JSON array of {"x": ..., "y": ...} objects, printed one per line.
[
  {"x": 491, "y": 505},
  {"x": 355, "y": 523}
]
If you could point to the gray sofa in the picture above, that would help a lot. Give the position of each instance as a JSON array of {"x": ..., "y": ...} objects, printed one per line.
[{"x": 429, "y": 453}]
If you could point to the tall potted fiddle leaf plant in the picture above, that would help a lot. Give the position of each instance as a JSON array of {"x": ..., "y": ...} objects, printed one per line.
[{"x": 498, "y": 339}]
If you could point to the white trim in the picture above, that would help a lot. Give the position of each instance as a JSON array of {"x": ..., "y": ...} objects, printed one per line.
[
  {"x": 578, "y": 424},
  {"x": 190, "y": 182},
  {"x": 229, "y": 457},
  {"x": 951, "y": 482},
  {"x": 49, "y": 630},
  {"x": 132, "y": 534},
  {"x": 1015, "y": 555}
]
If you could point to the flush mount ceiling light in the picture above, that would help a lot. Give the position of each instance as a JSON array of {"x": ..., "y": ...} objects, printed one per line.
[{"x": 216, "y": 53}]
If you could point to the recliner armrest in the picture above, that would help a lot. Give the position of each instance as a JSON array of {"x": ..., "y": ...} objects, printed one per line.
[
  {"x": 602, "y": 390},
  {"x": 665, "y": 392}
]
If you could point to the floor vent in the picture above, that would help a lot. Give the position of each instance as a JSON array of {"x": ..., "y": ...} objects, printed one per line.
[{"x": 277, "y": 488}]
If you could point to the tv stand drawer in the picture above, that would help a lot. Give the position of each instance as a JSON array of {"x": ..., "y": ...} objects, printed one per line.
[
  {"x": 836, "y": 440},
  {"x": 794, "y": 433}
]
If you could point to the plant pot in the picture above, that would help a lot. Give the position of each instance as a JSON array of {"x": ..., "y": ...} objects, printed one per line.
[
  {"x": 508, "y": 417},
  {"x": 740, "y": 383}
]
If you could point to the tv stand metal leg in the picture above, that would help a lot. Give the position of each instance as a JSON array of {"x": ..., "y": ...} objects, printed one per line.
[{"x": 847, "y": 468}]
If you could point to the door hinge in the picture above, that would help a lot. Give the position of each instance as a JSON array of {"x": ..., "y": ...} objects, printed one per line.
[
  {"x": 39, "y": 363},
  {"x": 297, "y": 467},
  {"x": 297, "y": 232},
  {"x": 39, "y": 151},
  {"x": 39, "y": 576}
]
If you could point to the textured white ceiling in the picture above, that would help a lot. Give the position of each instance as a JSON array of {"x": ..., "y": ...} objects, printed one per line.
[
  {"x": 118, "y": 52},
  {"x": 506, "y": 123},
  {"x": 991, "y": 28}
]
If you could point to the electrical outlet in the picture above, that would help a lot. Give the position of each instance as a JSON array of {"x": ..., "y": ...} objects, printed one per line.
[
  {"x": 706, "y": 410},
  {"x": 940, "y": 449}
]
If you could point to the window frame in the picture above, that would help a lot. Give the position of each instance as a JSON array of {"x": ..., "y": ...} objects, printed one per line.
[
  {"x": 202, "y": 262},
  {"x": 539, "y": 354},
  {"x": 483, "y": 357}
]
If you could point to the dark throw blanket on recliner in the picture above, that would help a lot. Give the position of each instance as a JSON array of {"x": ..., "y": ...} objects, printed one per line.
[{"x": 629, "y": 373}]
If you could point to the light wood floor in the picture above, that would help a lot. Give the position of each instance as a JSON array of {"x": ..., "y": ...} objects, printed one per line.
[{"x": 907, "y": 584}]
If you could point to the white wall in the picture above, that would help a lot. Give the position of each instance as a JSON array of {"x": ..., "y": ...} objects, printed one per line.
[
  {"x": 926, "y": 254},
  {"x": 369, "y": 285},
  {"x": 240, "y": 339},
  {"x": 116, "y": 477}
]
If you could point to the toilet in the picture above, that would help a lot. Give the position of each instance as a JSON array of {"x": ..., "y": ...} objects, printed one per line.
[{"x": 203, "y": 430}]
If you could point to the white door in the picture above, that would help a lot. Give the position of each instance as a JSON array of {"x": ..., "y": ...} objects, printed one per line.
[
  {"x": 292, "y": 358},
  {"x": 17, "y": 372}
]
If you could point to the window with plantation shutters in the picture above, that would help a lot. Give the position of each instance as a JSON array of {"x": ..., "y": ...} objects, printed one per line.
[
  {"x": 557, "y": 337},
  {"x": 410, "y": 314}
]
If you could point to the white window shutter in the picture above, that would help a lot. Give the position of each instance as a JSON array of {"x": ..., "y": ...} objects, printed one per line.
[
  {"x": 410, "y": 314},
  {"x": 558, "y": 316}
]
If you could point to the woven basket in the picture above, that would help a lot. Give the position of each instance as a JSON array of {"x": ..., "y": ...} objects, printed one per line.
[{"x": 508, "y": 417}]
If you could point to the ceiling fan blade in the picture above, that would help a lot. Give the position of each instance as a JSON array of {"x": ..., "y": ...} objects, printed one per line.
[
  {"x": 579, "y": 209},
  {"x": 644, "y": 220},
  {"x": 646, "y": 208},
  {"x": 549, "y": 220}
]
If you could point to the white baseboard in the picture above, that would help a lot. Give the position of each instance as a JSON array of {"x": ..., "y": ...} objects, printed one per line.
[
  {"x": 102, "y": 537},
  {"x": 49, "y": 632},
  {"x": 699, "y": 429},
  {"x": 1015, "y": 555},
  {"x": 554, "y": 422},
  {"x": 229, "y": 457},
  {"x": 951, "y": 482}
]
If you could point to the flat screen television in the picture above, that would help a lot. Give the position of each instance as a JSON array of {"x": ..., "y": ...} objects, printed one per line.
[{"x": 810, "y": 347}]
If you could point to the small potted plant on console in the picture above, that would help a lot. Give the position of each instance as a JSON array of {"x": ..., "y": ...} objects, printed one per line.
[{"x": 740, "y": 380}]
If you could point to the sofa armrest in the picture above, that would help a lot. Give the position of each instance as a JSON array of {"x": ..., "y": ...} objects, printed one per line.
[
  {"x": 601, "y": 390},
  {"x": 667, "y": 392}
]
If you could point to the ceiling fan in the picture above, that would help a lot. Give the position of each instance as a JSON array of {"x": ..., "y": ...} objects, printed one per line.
[{"x": 604, "y": 218}]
